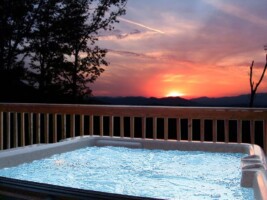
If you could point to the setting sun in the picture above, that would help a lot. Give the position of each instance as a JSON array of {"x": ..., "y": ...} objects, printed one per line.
[
  {"x": 174, "y": 94},
  {"x": 177, "y": 55}
]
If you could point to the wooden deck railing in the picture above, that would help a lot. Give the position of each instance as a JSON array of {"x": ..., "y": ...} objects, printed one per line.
[{"x": 26, "y": 124}]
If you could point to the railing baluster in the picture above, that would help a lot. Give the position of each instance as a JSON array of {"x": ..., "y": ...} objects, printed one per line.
[
  {"x": 22, "y": 129},
  {"x": 132, "y": 127},
  {"x": 252, "y": 132},
  {"x": 1, "y": 131},
  {"x": 38, "y": 128},
  {"x": 81, "y": 125},
  {"x": 101, "y": 126},
  {"x": 155, "y": 127},
  {"x": 63, "y": 134},
  {"x": 214, "y": 130},
  {"x": 166, "y": 128},
  {"x": 178, "y": 129},
  {"x": 91, "y": 125},
  {"x": 226, "y": 130},
  {"x": 8, "y": 130},
  {"x": 122, "y": 126},
  {"x": 15, "y": 125},
  {"x": 30, "y": 122},
  {"x": 265, "y": 136},
  {"x": 72, "y": 125},
  {"x": 46, "y": 128},
  {"x": 239, "y": 131},
  {"x": 190, "y": 128},
  {"x": 143, "y": 127},
  {"x": 55, "y": 127},
  {"x": 111, "y": 124},
  {"x": 202, "y": 130}
]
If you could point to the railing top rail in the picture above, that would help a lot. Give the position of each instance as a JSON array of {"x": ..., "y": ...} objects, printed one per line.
[{"x": 140, "y": 111}]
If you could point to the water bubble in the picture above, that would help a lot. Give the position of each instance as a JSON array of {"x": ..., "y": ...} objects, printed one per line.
[{"x": 215, "y": 196}]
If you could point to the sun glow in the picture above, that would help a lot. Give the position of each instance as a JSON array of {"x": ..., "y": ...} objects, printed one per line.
[{"x": 174, "y": 94}]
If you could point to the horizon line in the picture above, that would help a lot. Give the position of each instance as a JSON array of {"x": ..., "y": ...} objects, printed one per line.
[{"x": 187, "y": 98}]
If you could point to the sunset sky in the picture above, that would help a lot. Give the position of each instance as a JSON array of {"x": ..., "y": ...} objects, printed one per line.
[{"x": 190, "y": 48}]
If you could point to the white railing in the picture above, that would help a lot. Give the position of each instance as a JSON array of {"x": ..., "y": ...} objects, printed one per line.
[{"x": 26, "y": 124}]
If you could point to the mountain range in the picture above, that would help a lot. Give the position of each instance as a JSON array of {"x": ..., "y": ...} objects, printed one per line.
[{"x": 230, "y": 101}]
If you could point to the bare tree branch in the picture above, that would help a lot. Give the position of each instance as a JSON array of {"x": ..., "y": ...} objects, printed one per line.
[{"x": 254, "y": 88}]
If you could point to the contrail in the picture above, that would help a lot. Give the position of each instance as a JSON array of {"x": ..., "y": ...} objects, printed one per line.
[{"x": 141, "y": 25}]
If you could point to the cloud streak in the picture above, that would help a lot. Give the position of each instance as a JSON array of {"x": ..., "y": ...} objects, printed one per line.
[
  {"x": 237, "y": 12},
  {"x": 141, "y": 25},
  {"x": 128, "y": 53}
]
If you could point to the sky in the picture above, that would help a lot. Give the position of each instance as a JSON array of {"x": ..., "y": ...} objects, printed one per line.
[{"x": 184, "y": 48}]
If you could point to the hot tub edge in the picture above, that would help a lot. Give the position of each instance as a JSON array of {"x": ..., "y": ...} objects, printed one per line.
[{"x": 254, "y": 172}]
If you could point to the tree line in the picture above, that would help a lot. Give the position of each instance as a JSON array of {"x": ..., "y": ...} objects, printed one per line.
[{"x": 51, "y": 45}]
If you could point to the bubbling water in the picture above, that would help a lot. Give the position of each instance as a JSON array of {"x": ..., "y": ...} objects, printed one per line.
[{"x": 141, "y": 172}]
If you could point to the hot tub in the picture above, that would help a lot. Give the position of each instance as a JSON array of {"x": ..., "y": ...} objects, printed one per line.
[{"x": 253, "y": 165}]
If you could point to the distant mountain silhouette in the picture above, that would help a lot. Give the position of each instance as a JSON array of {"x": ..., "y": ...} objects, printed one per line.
[
  {"x": 233, "y": 101},
  {"x": 165, "y": 101}
]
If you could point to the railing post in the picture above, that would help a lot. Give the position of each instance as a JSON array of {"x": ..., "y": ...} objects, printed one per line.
[
  {"x": 143, "y": 127},
  {"x": 91, "y": 125},
  {"x": 46, "y": 127},
  {"x": 122, "y": 126},
  {"x": 81, "y": 125},
  {"x": 178, "y": 129},
  {"x": 252, "y": 132},
  {"x": 202, "y": 130},
  {"x": 155, "y": 127},
  {"x": 226, "y": 130},
  {"x": 190, "y": 128},
  {"x": 101, "y": 126},
  {"x": 55, "y": 127},
  {"x": 265, "y": 136},
  {"x": 111, "y": 128},
  {"x": 214, "y": 130},
  {"x": 72, "y": 125},
  {"x": 8, "y": 130},
  {"x": 166, "y": 128},
  {"x": 1, "y": 131},
  {"x": 22, "y": 129},
  {"x": 239, "y": 131},
  {"x": 15, "y": 119},
  {"x": 38, "y": 128},
  {"x": 132, "y": 127},
  {"x": 30, "y": 122},
  {"x": 63, "y": 134}
]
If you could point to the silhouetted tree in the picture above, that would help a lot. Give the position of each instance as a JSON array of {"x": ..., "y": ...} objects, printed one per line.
[
  {"x": 64, "y": 56},
  {"x": 253, "y": 86},
  {"x": 46, "y": 52},
  {"x": 83, "y": 20},
  {"x": 16, "y": 20},
  {"x": 58, "y": 38}
]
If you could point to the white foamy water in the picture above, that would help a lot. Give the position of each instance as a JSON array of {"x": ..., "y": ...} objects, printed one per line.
[{"x": 140, "y": 172}]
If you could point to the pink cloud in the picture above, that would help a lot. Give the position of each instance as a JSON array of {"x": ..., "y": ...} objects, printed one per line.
[{"x": 207, "y": 45}]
